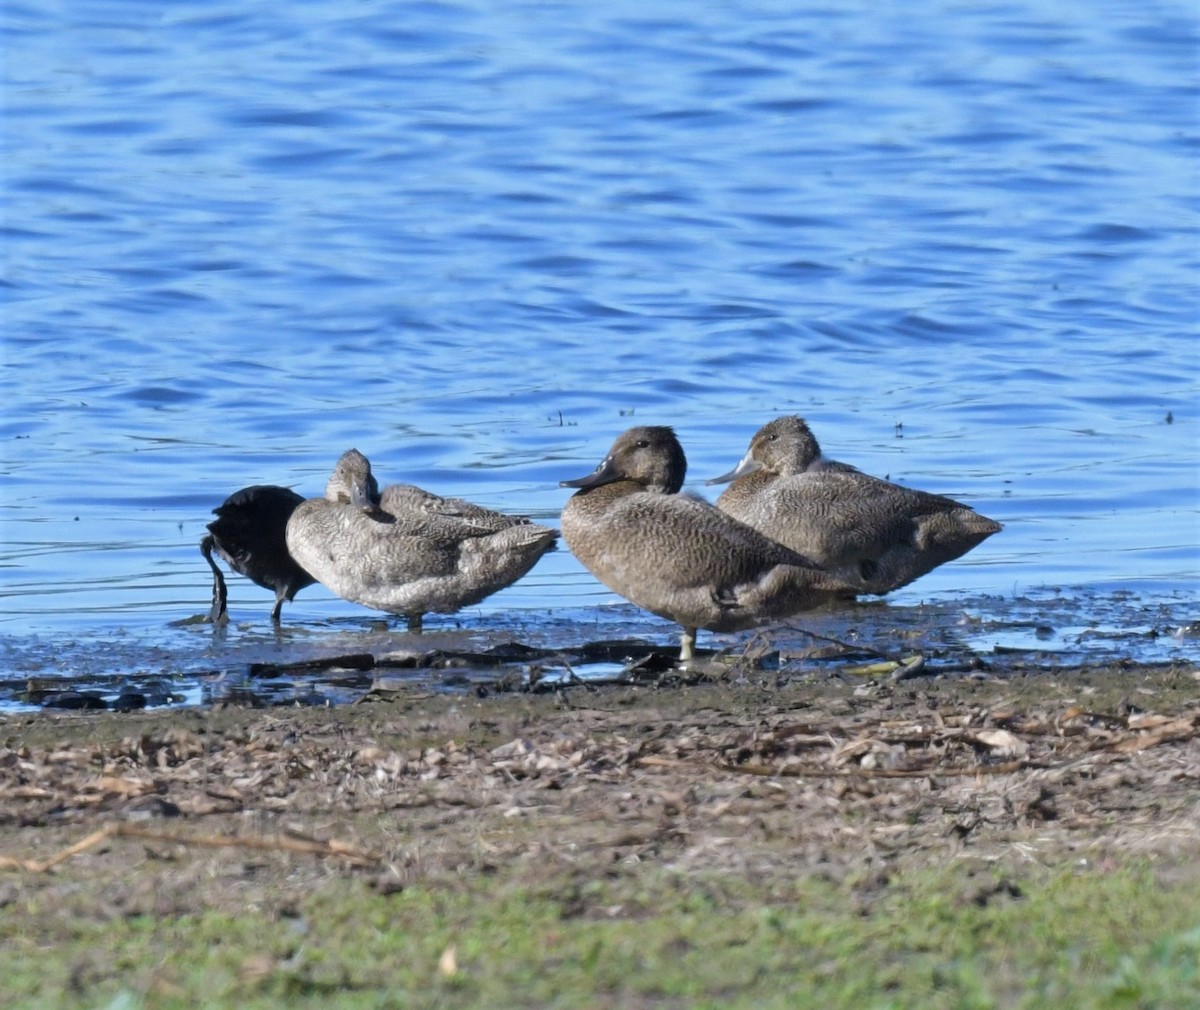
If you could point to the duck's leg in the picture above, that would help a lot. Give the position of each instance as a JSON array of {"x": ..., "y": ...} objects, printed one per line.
[
  {"x": 414, "y": 623},
  {"x": 687, "y": 646},
  {"x": 219, "y": 613},
  {"x": 280, "y": 596}
]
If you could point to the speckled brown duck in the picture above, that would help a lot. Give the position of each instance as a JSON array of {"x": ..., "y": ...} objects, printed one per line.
[
  {"x": 249, "y": 533},
  {"x": 407, "y": 551},
  {"x": 869, "y": 533},
  {"x": 675, "y": 555}
]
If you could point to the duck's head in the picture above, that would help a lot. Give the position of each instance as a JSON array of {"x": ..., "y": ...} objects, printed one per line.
[
  {"x": 783, "y": 446},
  {"x": 352, "y": 482},
  {"x": 649, "y": 455}
]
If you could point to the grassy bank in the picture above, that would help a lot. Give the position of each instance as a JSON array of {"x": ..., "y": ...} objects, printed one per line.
[{"x": 1114, "y": 937}]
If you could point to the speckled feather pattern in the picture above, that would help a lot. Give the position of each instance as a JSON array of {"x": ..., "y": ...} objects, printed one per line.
[
  {"x": 677, "y": 556},
  {"x": 869, "y": 533},
  {"x": 416, "y": 553}
]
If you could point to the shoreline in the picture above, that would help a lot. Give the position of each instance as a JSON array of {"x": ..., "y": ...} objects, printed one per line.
[{"x": 760, "y": 788}]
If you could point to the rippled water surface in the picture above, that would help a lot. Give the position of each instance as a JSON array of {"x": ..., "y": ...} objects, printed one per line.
[{"x": 478, "y": 240}]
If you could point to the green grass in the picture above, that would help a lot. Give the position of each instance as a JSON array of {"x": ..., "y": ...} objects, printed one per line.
[{"x": 644, "y": 938}]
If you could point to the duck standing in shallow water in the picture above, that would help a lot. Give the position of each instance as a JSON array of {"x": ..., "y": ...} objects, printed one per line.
[
  {"x": 406, "y": 551},
  {"x": 675, "y": 555},
  {"x": 869, "y": 533},
  {"x": 250, "y": 534}
]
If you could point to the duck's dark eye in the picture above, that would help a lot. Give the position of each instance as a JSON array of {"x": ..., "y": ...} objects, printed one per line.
[
  {"x": 643, "y": 444},
  {"x": 772, "y": 438}
]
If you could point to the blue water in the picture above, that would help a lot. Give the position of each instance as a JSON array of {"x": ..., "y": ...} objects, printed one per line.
[{"x": 477, "y": 240}]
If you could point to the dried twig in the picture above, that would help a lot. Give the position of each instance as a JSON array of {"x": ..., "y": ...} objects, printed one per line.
[
  {"x": 817, "y": 771},
  {"x": 333, "y": 847}
]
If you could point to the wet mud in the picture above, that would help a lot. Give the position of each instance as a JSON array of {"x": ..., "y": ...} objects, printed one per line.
[
  {"x": 415, "y": 783},
  {"x": 327, "y": 664}
]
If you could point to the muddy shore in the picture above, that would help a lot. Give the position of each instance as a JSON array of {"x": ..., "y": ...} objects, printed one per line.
[
  {"x": 750, "y": 777},
  {"x": 595, "y": 783}
]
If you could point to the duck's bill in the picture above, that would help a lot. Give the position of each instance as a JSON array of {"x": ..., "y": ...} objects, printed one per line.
[
  {"x": 747, "y": 465},
  {"x": 605, "y": 473},
  {"x": 360, "y": 494}
]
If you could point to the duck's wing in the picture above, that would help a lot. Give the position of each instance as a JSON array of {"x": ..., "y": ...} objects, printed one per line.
[
  {"x": 414, "y": 508},
  {"x": 685, "y": 560},
  {"x": 699, "y": 542},
  {"x": 884, "y": 533},
  {"x": 822, "y": 464}
]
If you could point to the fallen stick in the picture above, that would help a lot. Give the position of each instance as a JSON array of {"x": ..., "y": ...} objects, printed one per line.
[
  {"x": 41, "y": 866},
  {"x": 852, "y": 772},
  {"x": 278, "y": 844}
]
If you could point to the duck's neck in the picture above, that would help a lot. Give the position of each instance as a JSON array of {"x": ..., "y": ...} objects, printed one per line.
[
  {"x": 597, "y": 498},
  {"x": 756, "y": 481}
]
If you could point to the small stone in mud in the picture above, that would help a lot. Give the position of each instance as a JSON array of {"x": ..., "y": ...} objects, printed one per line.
[
  {"x": 146, "y": 807},
  {"x": 387, "y": 883}
]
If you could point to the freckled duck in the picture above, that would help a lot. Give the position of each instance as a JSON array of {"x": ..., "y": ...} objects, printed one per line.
[
  {"x": 406, "y": 551},
  {"x": 676, "y": 555},
  {"x": 249, "y": 533},
  {"x": 869, "y": 533}
]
